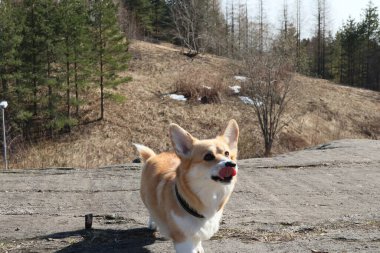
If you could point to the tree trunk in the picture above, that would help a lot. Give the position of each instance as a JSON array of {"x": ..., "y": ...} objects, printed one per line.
[
  {"x": 4, "y": 85},
  {"x": 67, "y": 80},
  {"x": 50, "y": 96},
  {"x": 298, "y": 35},
  {"x": 101, "y": 67},
  {"x": 34, "y": 71},
  {"x": 101, "y": 90},
  {"x": 76, "y": 87},
  {"x": 261, "y": 24},
  {"x": 268, "y": 148}
]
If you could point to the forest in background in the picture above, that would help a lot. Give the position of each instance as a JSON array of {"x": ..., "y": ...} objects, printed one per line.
[
  {"x": 60, "y": 58},
  {"x": 351, "y": 56},
  {"x": 56, "y": 59}
]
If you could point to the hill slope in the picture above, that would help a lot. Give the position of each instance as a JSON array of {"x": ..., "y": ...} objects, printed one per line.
[{"x": 320, "y": 111}]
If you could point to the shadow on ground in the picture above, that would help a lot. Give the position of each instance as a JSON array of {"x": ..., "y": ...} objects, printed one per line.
[{"x": 106, "y": 240}]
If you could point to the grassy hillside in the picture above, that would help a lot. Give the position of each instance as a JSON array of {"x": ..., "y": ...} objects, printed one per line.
[{"x": 320, "y": 111}]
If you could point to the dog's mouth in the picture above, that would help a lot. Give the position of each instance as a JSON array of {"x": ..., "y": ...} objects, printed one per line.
[
  {"x": 225, "y": 175},
  {"x": 222, "y": 180}
]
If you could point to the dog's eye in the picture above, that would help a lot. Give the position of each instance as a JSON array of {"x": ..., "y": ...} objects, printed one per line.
[
  {"x": 209, "y": 157},
  {"x": 227, "y": 153}
]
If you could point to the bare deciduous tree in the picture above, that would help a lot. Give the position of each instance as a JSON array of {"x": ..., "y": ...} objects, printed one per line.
[
  {"x": 200, "y": 25},
  {"x": 270, "y": 78},
  {"x": 187, "y": 17}
]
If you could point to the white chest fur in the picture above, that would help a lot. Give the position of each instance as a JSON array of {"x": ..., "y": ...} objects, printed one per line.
[{"x": 198, "y": 228}]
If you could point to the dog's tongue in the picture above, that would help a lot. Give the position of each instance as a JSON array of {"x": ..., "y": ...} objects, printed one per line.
[{"x": 227, "y": 172}]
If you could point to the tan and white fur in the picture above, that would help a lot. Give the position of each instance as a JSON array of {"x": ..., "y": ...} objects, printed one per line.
[{"x": 196, "y": 169}]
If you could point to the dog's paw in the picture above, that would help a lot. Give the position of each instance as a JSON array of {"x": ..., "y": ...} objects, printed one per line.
[
  {"x": 200, "y": 249},
  {"x": 188, "y": 247},
  {"x": 152, "y": 225}
]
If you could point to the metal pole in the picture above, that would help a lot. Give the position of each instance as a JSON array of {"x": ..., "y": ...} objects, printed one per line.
[{"x": 4, "y": 142}]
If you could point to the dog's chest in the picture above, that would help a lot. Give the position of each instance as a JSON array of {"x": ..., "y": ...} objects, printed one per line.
[{"x": 201, "y": 229}]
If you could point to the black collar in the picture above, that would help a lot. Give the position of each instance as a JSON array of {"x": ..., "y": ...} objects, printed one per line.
[{"x": 185, "y": 205}]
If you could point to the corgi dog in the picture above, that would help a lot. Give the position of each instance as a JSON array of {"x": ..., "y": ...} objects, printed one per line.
[{"x": 185, "y": 191}]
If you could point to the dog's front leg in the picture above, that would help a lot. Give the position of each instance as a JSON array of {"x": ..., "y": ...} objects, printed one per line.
[
  {"x": 199, "y": 248},
  {"x": 152, "y": 224},
  {"x": 189, "y": 246}
]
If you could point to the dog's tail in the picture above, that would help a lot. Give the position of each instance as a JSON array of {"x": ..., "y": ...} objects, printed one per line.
[{"x": 145, "y": 152}]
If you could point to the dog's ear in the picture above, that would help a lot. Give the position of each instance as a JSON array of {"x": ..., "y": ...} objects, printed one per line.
[
  {"x": 231, "y": 133},
  {"x": 182, "y": 141}
]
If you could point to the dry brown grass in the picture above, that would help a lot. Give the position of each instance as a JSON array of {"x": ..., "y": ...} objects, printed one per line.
[
  {"x": 320, "y": 112},
  {"x": 200, "y": 86}
]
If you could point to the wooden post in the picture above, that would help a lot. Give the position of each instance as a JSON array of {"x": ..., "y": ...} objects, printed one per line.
[{"x": 88, "y": 221}]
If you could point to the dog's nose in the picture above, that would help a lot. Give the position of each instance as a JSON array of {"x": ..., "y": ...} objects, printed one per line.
[{"x": 230, "y": 164}]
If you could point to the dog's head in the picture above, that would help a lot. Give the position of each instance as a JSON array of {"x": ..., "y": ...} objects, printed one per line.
[{"x": 211, "y": 161}]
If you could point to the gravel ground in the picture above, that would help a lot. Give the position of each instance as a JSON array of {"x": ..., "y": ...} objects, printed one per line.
[{"x": 323, "y": 199}]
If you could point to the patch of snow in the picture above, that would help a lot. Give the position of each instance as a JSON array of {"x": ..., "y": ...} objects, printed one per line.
[
  {"x": 206, "y": 87},
  {"x": 235, "y": 89},
  {"x": 250, "y": 101},
  {"x": 246, "y": 100},
  {"x": 258, "y": 102},
  {"x": 178, "y": 97},
  {"x": 241, "y": 78}
]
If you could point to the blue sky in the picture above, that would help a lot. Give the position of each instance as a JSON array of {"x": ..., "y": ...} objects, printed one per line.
[{"x": 338, "y": 11}]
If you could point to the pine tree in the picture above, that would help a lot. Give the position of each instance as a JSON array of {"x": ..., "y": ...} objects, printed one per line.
[
  {"x": 41, "y": 54},
  {"x": 10, "y": 40},
  {"x": 76, "y": 51},
  {"x": 261, "y": 26},
  {"x": 11, "y": 24},
  {"x": 161, "y": 19},
  {"x": 368, "y": 28},
  {"x": 144, "y": 13},
  {"x": 33, "y": 58},
  {"x": 110, "y": 47},
  {"x": 321, "y": 38},
  {"x": 298, "y": 29},
  {"x": 350, "y": 43}
]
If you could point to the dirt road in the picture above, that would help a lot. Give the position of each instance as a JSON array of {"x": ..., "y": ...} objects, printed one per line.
[{"x": 325, "y": 199}]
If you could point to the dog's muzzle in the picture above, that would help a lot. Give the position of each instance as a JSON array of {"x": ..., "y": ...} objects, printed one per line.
[{"x": 226, "y": 173}]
